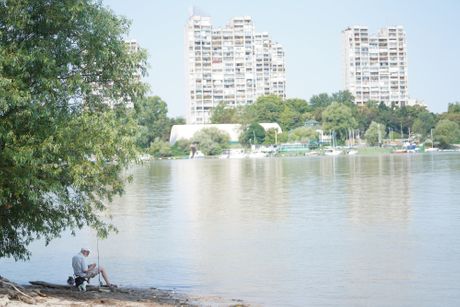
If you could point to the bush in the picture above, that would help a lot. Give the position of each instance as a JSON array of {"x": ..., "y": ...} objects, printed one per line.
[
  {"x": 393, "y": 135},
  {"x": 271, "y": 136},
  {"x": 446, "y": 133},
  {"x": 374, "y": 135},
  {"x": 211, "y": 141},
  {"x": 160, "y": 149},
  {"x": 253, "y": 134},
  {"x": 302, "y": 134},
  {"x": 181, "y": 148}
]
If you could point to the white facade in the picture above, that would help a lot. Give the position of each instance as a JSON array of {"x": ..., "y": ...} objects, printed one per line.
[
  {"x": 133, "y": 45},
  {"x": 416, "y": 102},
  {"x": 233, "y": 65},
  {"x": 376, "y": 65}
]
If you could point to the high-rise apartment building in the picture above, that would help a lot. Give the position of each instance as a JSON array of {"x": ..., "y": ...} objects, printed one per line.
[
  {"x": 376, "y": 65},
  {"x": 234, "y": 65},
  {"x": 133, "y": 47}
]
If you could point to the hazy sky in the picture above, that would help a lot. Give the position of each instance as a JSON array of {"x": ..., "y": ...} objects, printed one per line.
[{"x": 310, "y": 32}]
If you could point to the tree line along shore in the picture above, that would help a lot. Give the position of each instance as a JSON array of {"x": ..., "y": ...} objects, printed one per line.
[{"x": 300, "y": 120}]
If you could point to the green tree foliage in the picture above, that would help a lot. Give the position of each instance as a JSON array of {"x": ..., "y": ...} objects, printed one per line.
[
  {"x": 253, "y": 134},
  {"x": 151, "y": 114},
  {"x": 393, "y": 135},
  {"x": 289, "y": 119},
  {"x": 453, "y": 113},
  {"x": 366, "y": 114},
  {"x": 160, "y": 149},
  {"x": 339, "y": 118},
  {"x": 302, "y": 134},
  {"x": 408, "y": 114},
  {"x": 181, "y": 147},
  {"x": 295, "y": 113},
  {"x": 391, "y": 118},
  {"x": 320, "y": 102},
  {"x": 177, "y": 121},
  {"x": 297, "y": 105},
  {"x": 423, "y": 123},
  {"x": 290, "y": 113},
  {"x": 62, "y": 63},
  {"x": 266, "y": 109},
  {"x": 375, "y": 134},
  {"x": 446, "y": 133},
  {"x": 223, "y": 114},
  {"x": 283, "y": 137},
  {"x": 271, "y": 136},
  {"x": 211, "y": 141},
  {"x": 415, "y": 118},
  {"x": 344, "y": 97},
  {"x": 454, "y": 107}
]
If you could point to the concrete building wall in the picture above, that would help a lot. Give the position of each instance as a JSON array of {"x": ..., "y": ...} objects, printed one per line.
[
  {"x": 232, "y": 65},
  {"x": 375, "y": 66}
]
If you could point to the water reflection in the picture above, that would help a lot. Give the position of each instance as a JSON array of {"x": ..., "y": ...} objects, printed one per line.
[
  {"x": 379, "y": 189},
  {"x": 379, "y": 230},
  {"x": 378, "y": 206},
  {"x": 233, "y": 189}
]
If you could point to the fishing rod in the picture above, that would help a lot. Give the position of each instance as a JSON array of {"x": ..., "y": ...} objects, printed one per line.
[{"x": 98, "y": 266}]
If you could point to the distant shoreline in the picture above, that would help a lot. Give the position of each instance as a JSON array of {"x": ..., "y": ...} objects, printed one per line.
[{"x": 361, "y": 151}]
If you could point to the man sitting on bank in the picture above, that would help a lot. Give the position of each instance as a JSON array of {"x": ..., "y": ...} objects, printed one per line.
[{"x": 80, "y": 268}]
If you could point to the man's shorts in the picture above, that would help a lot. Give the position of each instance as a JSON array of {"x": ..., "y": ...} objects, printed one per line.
[{"x": 92, "y": 273}]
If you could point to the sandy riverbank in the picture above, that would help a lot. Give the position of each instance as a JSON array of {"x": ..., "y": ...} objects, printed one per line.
[{"x": 15, "y": 295}]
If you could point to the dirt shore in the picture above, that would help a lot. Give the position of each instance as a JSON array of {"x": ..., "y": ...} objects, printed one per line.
[{"x": 15, "y": 295}]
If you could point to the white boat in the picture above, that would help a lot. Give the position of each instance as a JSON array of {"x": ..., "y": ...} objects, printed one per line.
[
  {"x": 237, "y": 154},
  {"x": 352, "y": 152},
  {"x": 224, "y": 155},
  {"x": 332, "y": 152},
  {"x": 233, "y": 154},
  {"x": 257, "y": 154},
  {"x": 432, "y": 149}
]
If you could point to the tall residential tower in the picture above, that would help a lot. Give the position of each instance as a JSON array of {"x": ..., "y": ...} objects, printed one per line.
[
  {"x": 376, "y": 65},
  {"x": 233, "y": 65}
]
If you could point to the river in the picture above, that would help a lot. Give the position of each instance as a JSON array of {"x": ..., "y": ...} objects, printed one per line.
[{"x": 378, "y": 230}]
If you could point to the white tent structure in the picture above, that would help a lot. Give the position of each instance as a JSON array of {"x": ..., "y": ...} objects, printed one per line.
[{"x": 179, "y": 132}]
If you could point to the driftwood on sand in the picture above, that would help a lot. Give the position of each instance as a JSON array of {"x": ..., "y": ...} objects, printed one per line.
[
  {"x": 41, "y": 293},
  {"x": 61, "y": 287},
  {"x": 15, "y": 291}
]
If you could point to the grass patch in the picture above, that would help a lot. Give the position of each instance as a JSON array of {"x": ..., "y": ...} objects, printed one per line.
[{"x": 374, "y": 150}]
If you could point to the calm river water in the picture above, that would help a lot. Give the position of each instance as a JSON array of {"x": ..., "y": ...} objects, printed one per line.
[{"x": 325, "y": 231}]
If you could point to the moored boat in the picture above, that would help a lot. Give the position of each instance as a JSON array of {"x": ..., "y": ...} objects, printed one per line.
[{"x": 332, "y": 152}]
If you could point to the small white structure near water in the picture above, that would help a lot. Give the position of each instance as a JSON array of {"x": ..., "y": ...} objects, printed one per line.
[{"x": 179, "y": 132}]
